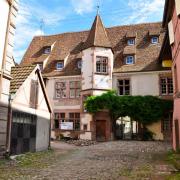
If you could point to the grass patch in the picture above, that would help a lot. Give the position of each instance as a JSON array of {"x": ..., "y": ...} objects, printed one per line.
[
  {"x": 37, "y": 159},
  {"x": 174, "y": 159}
]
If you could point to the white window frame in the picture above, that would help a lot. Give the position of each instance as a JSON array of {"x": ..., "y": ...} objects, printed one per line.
[
  {"x": 153, "y": 38},
  {"x": 60, "y": 67},
  {"x": 131, "y": 42},
  {"x": 127, "y": 59}
]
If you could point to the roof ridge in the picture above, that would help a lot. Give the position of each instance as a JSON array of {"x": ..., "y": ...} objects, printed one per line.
[{"x": 87, "y": 30}]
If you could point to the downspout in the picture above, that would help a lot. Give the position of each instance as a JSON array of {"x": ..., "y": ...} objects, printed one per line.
[
  {"x": 5, "y": 47},
  {"x": 9, "y": 125},
  {"x": 51, "y": 118}
]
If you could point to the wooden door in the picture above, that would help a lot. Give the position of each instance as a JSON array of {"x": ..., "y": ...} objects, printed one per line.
[
  {"x": 177, "y": 134},
  {"x": 100, "y": 130}
]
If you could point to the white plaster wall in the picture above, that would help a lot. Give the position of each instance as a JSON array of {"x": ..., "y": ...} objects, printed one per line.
[
  {"x": 5, "y": 90},
  {"x": 103, "y": 81},
  {"x": 22, "y": 98},
  {"x": 4, "y": 6},
  {"x": 141, "y": 83},
  {"x": 87, "y": 69},
  {"x": 145, "y": 84}
]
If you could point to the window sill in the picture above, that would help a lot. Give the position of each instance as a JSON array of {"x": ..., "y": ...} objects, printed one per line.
[{"x": 99, "y": 73}]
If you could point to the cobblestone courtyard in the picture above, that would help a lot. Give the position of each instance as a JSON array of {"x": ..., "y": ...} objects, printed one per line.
[{"x": 121, "y": 160}]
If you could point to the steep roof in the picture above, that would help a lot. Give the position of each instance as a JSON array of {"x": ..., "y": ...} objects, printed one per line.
[
  {"x": 19, "y": 75},
  {"x": 70, "y": 46},
  {"x": 97, "y": 36}
]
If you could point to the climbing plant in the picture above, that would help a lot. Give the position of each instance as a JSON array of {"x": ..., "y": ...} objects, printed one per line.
[{"x": 143, "y": 109}]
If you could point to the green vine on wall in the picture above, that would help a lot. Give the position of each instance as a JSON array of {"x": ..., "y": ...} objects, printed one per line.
[{"x": 143, "y": 109}]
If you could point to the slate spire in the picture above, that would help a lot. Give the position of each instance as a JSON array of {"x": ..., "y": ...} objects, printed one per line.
[{"x": 97, "y": 36}]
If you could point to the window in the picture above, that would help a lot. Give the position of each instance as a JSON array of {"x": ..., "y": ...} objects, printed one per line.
[
  {"x": 101, "y": 64},
  {"x": 167, "y": 123},
  {"x": 79, "y": 64},
  {"x": 154, "y": 40},
  {"x": 59, "y": 117},
  {"x": 75, "y": 89},
  {"x": 166, "y": 85},
  {"x": 34, "y": 94},
  {"x": 41, "y": 67},
  {"x": 124, "y": 87},
  {"x": 47, "y": 50},
  {"x": 129, "y": 60},
  {"x": 75, "y": 118},
  {"x": 60, "y": 90},
  {"x": 60, "y": 65},
  {"x": 131, "y": 42}
]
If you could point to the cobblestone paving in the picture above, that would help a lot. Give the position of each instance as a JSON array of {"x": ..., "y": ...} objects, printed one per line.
[{"x": 121, "y": 160}]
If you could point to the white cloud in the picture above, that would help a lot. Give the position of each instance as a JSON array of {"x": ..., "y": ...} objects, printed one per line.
[
  {"x": 83, "y": 6},
  {"x": 142, "y": 10}
]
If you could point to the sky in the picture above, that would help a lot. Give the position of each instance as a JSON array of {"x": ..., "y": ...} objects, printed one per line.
[{"x": 46, "y": 17}]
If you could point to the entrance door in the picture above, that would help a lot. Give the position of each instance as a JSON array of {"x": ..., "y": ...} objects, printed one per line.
[
  {"x": 177, "y": 134},
  {"x": 100, "y": 130}
]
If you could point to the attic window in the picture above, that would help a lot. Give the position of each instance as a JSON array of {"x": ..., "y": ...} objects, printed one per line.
[
  {"x": 79, "y": 64},
  {"x": 47, "y": 50},
  {"x": 154, "y": 40},
  {"x": 129, "y": 60},
  {"x": 60, "y": 65},
  {"x": 131, "y": 42}
]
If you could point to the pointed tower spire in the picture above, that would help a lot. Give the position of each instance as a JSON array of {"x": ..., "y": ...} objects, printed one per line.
[{"x": 97, "y": 36}]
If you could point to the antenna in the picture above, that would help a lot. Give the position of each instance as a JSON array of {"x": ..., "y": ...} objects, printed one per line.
[{"x": 42, "y": 26}]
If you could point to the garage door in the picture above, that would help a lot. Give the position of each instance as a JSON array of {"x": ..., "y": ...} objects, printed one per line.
[{"x": 23, "y": 133}]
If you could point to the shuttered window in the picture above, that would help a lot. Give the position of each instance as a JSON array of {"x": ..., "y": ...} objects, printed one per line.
[
  {"x": 171, "y": 32},
  {"x": 34, "y": 94},
  {"x": 177, "y": 3}
]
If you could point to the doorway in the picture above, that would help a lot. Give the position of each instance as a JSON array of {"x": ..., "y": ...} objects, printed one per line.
[{"x": 100, "y": 130}]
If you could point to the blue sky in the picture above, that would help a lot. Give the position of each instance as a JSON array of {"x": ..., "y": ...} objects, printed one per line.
[{"x": 37, "y": 17}]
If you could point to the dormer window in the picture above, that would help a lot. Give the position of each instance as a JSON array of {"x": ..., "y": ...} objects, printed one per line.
[
  {"x": 41, "y": 67},
  {"x": 154, "y": 40},
  {"x": 131, "y": 42},
  {"x": 47, "y": 50},
  {"x": 60, "y": 65},
  {"x": 79, "y": 64},
  {"x": 129, "y": 60}
]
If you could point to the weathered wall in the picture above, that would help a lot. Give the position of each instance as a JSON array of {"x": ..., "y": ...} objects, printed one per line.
[
  {"x": 42, "y": 136},
  {"x": 176, "y": 75}
]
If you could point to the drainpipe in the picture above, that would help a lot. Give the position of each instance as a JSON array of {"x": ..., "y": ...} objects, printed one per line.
[
  {"x": 51, "y": 118},
  {"x": 9, "y": 125},
  {"x": 5, "y": 47}
]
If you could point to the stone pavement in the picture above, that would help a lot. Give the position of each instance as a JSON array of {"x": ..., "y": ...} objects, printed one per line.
[{"x": 104, "y": 161}]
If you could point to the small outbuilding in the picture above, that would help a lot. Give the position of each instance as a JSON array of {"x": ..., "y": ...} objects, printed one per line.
[{"x": 29, "y": 119}]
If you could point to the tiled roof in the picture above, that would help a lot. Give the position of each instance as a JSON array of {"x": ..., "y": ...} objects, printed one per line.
[
  {"x": 19, "y": 75},
  {"x": 97, "y": 36},
  {"x": 71, "y": 45}
]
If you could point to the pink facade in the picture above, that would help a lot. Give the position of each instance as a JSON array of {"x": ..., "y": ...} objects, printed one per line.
[{"x": 176, "y": 76}]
